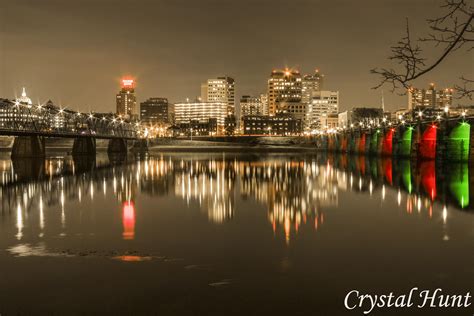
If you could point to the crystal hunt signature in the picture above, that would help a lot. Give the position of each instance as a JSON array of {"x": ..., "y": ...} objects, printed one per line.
[{"x": 415, "y": 298}]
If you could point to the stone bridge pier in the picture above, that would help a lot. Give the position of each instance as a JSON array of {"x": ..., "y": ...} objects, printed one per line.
[{"x": 28, "y": 147}]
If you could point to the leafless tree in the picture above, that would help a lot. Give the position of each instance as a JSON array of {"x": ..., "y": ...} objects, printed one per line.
[{"x": 453, "y": 30}]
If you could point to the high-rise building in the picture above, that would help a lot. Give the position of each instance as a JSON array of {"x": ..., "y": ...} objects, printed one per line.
[
  {"x": 311, "y": 83},
  {"x": 126, "y": 100},
  {"x": 284, "y": 90},
  {"x": 200, "y": 111},
  {"x": 156, "y": 111},
  {"x": 422, "y": 98},
  {"x": 323, "y": 103},
  {"x": 264, "y": 101},
  {"x": 222, "y": 90},
  {"x": 250, "y": 106}
]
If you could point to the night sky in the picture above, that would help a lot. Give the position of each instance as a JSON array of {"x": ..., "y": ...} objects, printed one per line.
[{"x": 75, "y": 52}]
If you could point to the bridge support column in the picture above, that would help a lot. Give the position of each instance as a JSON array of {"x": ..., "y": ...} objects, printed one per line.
[
  {"x": 117, "y": 145},
  {"x": 84, "y": 146},
  {"x": 28, "y": 147}
]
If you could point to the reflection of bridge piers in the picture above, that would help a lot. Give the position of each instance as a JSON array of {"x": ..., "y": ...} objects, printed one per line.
[{"x": 28, "y": 147}]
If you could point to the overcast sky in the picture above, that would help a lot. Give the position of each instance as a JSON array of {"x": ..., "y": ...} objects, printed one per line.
[{"x": 75, "y": 52}]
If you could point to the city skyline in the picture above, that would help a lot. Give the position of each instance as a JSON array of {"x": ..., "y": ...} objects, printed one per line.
[{"x": 170, "y": 68}]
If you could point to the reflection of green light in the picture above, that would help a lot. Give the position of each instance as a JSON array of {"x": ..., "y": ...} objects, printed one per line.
[
  {"x": 459, "y": 184},
  {"x": 406, "y": 175}
]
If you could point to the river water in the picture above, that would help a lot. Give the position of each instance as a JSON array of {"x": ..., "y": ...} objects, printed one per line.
[{"x": 200, "y": 234}]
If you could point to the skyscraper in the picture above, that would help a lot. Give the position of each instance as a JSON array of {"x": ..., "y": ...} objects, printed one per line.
[
  {"x": 221, "y": 89},
  {"x": 156, "y": 111},
  {"x": 429, "y": 97},
  {"x": 311, "y": 83},
  {"x": 126, "y": 100},
  {"x": 284, "y": 91}
]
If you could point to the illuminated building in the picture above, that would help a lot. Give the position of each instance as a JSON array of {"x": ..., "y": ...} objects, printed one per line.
[
  {"x": 198, "y": 128},
  {"x": 281, "y": 124},
  {"x": 156, "y": 111},
  {"x": 264, "y": 101},
  {"x": 310, "y": 84},
  {"x": 284, "y": 92},
  {"x": 323, "y": 104},
  {"x": 221, "y": 90},
  {"x": 250, "y": 106},
  {"x": 329, "y": 121},
  {"x": 126, "y": 100},
  {"x": 200, "y": 111},
  {"x": 422, "y": 98},
  {"x": 24, "y": 98}
]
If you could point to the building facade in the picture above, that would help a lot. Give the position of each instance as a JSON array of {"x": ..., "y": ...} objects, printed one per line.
[
  {"x": 222, "y": 90},
  {"x": 200, "y": 111},
  {"x": 157, "y": 111},
  {"x": 264, "y": 101},
  {"x": 250, "y": 106},
  {"x": 423, "y": 98},
  {"x": 126, "y": 100},
  {"x": 284, "y": 88},
  {"x": 323, "y": 104},
  {"x": 205, "y": 127},
  {"x": 310, "y": 84},
  {"x": 281, "y": 125},
  {"x": 329, "y": 122}
]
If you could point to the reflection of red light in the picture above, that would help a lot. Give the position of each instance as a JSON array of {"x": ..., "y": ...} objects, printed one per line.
[
  {"x": 387, "y": 143},
  {"x": 428, "y": 178},
  {"x": 128, "y": 220}
]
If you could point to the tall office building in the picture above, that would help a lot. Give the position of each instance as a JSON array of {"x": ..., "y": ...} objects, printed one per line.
[
  {"x": 311, "y": 83},
  {"x": 250, "y": 106},
  {"x": 323, "y": 104},
  {"x": 222, "y": 90},
  {"x": 156, "y": 111},
  {"x": 284, "y": 91},
  {"x": 422, "y": 98},
  {"x": 126, "y": 100}
]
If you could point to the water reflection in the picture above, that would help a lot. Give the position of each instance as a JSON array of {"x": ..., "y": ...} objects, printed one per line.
[{"x": 296, "y": 191}]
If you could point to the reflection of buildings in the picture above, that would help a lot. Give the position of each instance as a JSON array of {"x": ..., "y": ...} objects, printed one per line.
[
  {"x": 296, "y": 191},
  {"x": 210, "y": 183}
]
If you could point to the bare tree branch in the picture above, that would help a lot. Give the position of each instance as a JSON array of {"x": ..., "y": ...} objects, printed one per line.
[
  {"x": 447, "y": 31},
  {"x": 466, "y": 89}
]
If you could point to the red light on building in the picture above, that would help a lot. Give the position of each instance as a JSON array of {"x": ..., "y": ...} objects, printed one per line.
[{"x": 128, "y": 83}]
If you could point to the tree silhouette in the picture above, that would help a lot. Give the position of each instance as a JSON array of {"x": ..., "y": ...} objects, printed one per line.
[{"x": 453, "y": 30}]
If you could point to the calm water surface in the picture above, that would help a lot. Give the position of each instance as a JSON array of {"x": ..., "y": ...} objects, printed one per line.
[{"x": 200, "y": 234}]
